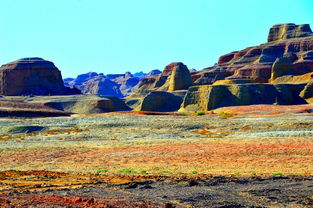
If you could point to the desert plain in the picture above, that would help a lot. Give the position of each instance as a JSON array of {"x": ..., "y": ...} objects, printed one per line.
[{"x": 244, "y": 156}]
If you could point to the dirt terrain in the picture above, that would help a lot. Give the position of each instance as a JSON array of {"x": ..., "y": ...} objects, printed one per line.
[{"x": 252, "y": 156}]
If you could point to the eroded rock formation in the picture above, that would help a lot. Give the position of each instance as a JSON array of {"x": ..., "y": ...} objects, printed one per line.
[
  {"x": 32, "y": 76},
  {"x": 208, "y": 97}
]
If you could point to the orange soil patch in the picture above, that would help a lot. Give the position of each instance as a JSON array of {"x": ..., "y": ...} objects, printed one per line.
[{"x": 288, "y": 156}]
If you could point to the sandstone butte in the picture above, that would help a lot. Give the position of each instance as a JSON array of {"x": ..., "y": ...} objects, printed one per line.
[{"x": 32, "y": 76}]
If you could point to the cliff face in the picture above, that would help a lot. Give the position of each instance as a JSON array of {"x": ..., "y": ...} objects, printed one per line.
[{"x": 32, "y": 76}]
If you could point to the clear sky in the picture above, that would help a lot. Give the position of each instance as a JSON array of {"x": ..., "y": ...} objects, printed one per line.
[{"x": 114, "y": 36}]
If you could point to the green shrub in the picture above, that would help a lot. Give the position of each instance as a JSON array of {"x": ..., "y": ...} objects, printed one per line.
[
  {"x": 166, "y": 171},
  {"x": 194, "y": 172},
  {"x": 277, "y": 174},
  {"x": 200, "y": 113},
  {"x": 127, "y": 171},
  {"x": 101, "y": 171}
]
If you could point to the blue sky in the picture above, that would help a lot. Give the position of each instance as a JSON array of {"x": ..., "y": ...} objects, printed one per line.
[{"x": 114, "y": 36}]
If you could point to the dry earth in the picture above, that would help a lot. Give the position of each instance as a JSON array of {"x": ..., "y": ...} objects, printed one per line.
[{"x": 252, "y": 156}]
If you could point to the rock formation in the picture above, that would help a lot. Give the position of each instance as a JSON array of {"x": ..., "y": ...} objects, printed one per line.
[
  {"x": 160, "y": 101},
  {"x": 255, "y": 63},
  {"x": 32, "y": 76},
  {"x": 180, "y": 78},
  {"x": 208, "y": 97},
  {"x": 161, "y": 82},
  {"x": 287, "y": 31}
]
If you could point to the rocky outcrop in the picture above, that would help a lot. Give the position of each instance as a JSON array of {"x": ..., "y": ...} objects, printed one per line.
[
  {"x": 82, "y": 103},
  {"x": 32, "y": 76},
  {"x": 307, "y": 92},
  {"x": 208, "y": 97},
  {"x": 161, "y": 82},
  {"x": 287, "y": 31},
  {"x": 160, "y": 102},
  {"x": 180, "y": 78},
  {"x": 255, "y": 63}
]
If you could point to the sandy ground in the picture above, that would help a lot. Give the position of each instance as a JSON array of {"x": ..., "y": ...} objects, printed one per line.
[{"x": 102, "y": 151}]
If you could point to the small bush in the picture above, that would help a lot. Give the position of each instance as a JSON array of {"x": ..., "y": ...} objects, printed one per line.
[
  {"x": 225, "y": 115},
  {"x": 277, "y": 174},
  {"x": 127, "y": 171},
  {"x": 101, "y": 171},
  {"x": 200, "y": 113},
  {"x": 166, "y": 171},
  {"x": 143, "y": 171},
  {"x": 194, "y": 172}
]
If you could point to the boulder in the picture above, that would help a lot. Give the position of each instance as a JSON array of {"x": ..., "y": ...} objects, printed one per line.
[
  {"x": 160, "y": 102},
  {"x": 208, "y": 97},
  {"x": 287, "y": 31},
  {"x": 32, "y": 76},
  {"x": 180, "y": 78}
]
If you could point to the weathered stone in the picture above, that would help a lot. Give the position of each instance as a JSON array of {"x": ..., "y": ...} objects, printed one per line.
[
  {"x": 32, "y": 76},
  {"x": 287, "y": 31},
  {"x": 180, "y": 78},
  {"x": 208, "y": 97},
  {"x": 283, "y": 66},
  {"x": 161, "y": 102},
  {"x": 255, "y": 63},
  {"x": 307, "y": 92}
]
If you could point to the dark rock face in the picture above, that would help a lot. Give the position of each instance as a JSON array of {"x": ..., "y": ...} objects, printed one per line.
[
  {"x": 161, "y": 102},
  {"x": 287, "y": 31},
  {"x": 32, "y": 76}
]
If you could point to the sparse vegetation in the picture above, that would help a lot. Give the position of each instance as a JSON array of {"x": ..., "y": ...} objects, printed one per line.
[
  {"x": 277, "y": 174},
  {"x": 166, "y": 171},
  {"x": 200, "y": 113},
  {"x": 101, "y": 171},
  {"x": 143, "y": 171},
  {"x": 225, "y": 115},
  {"x": 127, "y": 171}
]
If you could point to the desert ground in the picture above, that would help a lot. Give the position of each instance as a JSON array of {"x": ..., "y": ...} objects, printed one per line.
[{"x": 245, "y": 156}]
